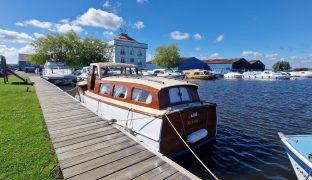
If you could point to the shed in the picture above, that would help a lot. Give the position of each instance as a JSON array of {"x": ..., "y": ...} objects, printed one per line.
[
  {"x": 256, "y": 65},
  {"x": 227, "y": 65},
  {"x": 192, "y": 63}
]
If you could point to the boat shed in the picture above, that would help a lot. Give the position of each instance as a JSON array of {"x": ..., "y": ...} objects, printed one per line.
[
  {"x": 192, "y": 63},
  {"x": 256, "y": 65},
  {"x": 226, "y": 65}
]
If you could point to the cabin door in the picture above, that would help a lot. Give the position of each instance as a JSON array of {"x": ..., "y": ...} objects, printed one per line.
[{"x": 93, "y": 77}]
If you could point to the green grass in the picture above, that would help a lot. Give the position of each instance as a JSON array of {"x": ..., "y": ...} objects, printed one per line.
[{"x": 25, "y": 149}]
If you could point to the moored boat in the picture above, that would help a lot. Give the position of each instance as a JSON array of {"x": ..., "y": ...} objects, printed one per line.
[
  {"x": 265, "y": 75},
  {"x": 146, "y": 107},
  {"x": 299, "y": 152},
  {"x": 57, "y": 73},
  {"x": 198, "y": 74},
  {"x": 304, "y": 74},
  {"x": 233, "y": 75},
  {"x": 167, "y": 73}
]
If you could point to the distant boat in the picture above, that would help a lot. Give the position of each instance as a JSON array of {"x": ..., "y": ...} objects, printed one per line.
[
  {"x": 233, "y": 75},
  {"x": 198, "y": 74},
  {"x": 305, "y": 74},
  {"x": 299, "y": 151},
  {"x": 265, "y": 75},
  {"x": 84, "y": 73},
  {"x": 167, "y": 73},
  {"x": 57, "y": 73}
]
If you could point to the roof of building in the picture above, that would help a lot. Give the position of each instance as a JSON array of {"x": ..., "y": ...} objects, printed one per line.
[
  {"x": 254, "y": 61},
  {"x": 112, "y": 64},
  {"x": 23, "y": 57},
  {"x": 222, "y": 61},
  {"x": 124, "y": 37},
  {"x": 154, "y": 82}
]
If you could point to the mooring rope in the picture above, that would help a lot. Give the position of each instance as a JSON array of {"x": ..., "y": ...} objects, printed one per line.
[{"x": 190, "y": 148}]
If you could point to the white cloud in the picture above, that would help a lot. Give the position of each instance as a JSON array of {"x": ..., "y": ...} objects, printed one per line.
[
  {"x": 214, "y": 55},
  {"x": 64, "y": 28},
  {"x": 36, "y": 23},
  {"x": 177, "y": 35},
  {"x": 142, "y": 1},
  {"x": 99, "y": 18},
  {"x": 64, "y": 21},
  {"x": 28, "y": 49},
  {"x": 11, "y": 53},
  {"x": 198, "y": 36},
  {"x": 273, "y": 56},
  {"x": 38, "y": 35},
  {"x": 197, "y": 49},
  {"x": 138, "y": 25},
  {"x": 12, "y": 36},
  {"x": 297, "y": 58},
  {"x": 251, "y": 54},
  {"x": 108, "y": 34},
  {"x": 219, "y": 38},
  {"x": 107, "y": 4}
]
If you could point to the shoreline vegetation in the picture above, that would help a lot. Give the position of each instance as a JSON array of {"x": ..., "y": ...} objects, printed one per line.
[{"x": 26, "y": 150}]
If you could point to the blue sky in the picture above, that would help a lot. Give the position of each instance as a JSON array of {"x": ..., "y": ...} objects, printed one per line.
[{"x": 269, "y": 30}]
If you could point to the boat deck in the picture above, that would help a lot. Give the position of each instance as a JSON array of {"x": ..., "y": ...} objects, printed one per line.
[
  {"x": 301, "y": 143},
  {"x": 88, "y": 147}
]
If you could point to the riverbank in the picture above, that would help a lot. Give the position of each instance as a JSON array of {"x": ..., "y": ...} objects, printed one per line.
[{"x": 26, "y": 149}]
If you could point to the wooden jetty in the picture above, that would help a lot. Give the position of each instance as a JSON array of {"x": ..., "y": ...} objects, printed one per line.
[{"x": 88, "y": 147}]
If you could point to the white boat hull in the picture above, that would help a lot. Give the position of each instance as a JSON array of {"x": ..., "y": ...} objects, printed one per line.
[
  {"x": 145, "y": 128},
  {"x": 300, "y": 169}
]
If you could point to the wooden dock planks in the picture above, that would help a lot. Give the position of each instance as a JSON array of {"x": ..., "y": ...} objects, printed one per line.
[{"x": 88, "y": 147}]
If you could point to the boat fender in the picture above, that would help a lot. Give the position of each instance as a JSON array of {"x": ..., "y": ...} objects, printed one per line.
[{"x": 197, "y": 136}]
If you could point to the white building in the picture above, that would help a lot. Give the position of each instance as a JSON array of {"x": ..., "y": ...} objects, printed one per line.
[{"x": 128, "y": 50}]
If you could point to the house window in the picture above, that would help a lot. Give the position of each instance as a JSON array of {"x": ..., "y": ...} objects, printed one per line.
[
  {"x": 141, "y": 96},
  {"x": 122, "y": 51},
  {"x": 132, "y": 60},
  {"x": 104, "y": 88},
  {"x": 140, "y": 62},
  {"x": 179, "y": 94},
  {"x": 139, "y": 52},
  {"x": 131, "y": 51},
  {"x": 122, "y": 60},
  {"x": 120, "y": 92}
]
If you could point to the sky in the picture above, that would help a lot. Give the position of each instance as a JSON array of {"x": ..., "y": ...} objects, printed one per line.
[{"x": 269, "y": 30}]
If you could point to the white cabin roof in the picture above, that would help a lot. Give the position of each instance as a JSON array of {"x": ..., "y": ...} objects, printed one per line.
[{"x": 154, "y": 82}]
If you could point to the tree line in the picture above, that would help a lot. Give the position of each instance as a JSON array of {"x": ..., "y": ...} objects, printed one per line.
[{"x": 70, "y": 49}]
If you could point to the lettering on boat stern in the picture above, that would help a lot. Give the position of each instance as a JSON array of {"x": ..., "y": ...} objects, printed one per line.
[{"x": 193, "y": 120}]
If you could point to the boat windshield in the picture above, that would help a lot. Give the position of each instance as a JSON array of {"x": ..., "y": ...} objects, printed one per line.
[
  {"x": 56, "y": 67},
  {"x": 111, "y": 71}
]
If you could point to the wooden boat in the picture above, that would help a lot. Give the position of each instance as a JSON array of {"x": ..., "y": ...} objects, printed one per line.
[
  {"x": 299, "y": 152},
  {"x": 146, "y": 106},
  {"x": 198, "y": 74}
]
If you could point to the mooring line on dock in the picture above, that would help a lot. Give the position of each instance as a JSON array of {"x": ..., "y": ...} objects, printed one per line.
[{"x": 213, "y": 175}]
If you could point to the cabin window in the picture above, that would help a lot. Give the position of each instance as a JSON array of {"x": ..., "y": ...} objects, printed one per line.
[
  {"x": 120, "y": 91},
  {"x": 141, "y": 96},
  {"x": 179, "y": 94},
  {"x": 104, "y": 88}
]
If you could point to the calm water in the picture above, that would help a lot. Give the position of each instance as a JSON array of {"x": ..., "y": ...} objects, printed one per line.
[{"x": 251, "y": 112}]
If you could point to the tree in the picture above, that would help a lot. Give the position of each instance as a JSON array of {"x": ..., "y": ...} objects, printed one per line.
[
  {"x": 281, "y": 66},
  {"x": 167, "y": 56},
  {"x": 70, "y": 49}
]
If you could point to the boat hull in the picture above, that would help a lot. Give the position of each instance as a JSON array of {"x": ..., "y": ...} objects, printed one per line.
[
  {"x": 156, "y": 130},
  {"x": 295, "y": 146}
]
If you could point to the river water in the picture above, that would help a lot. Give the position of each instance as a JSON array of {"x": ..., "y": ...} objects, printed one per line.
[{"x": 250, "y": 114}]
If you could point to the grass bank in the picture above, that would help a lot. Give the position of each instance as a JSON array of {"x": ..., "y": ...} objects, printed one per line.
[{"x": 25, "y": 148}]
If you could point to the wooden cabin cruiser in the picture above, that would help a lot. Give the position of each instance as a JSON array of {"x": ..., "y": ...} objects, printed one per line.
[
  {"x": 198, "y": 74},
  {"x": 233, "y": 75},
  {"x": 304, "y": 74},
  {"x": 299, "y": 152},
  {"x": 265, "y": 75},
  {"x": 147, "y": 105},
  {"x": 57, "y": 73}
]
